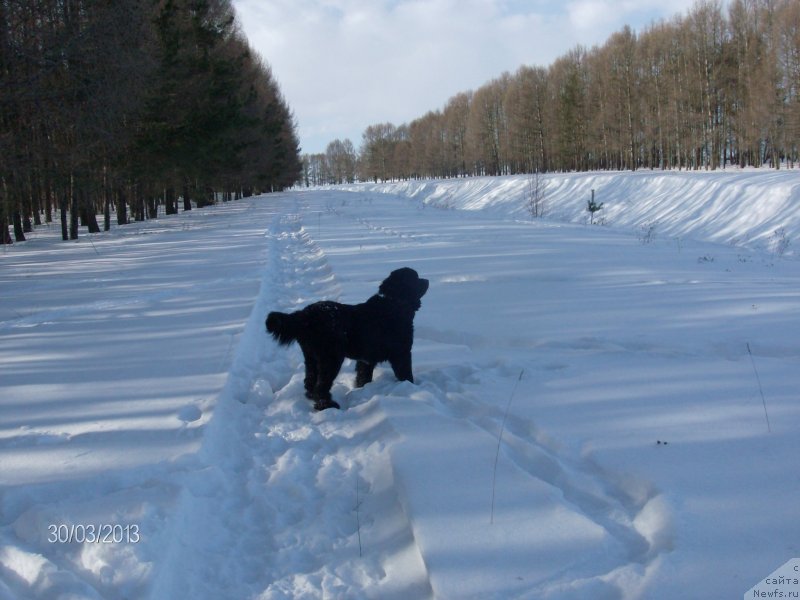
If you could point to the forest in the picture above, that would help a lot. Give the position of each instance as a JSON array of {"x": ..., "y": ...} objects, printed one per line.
[
  {"x": 131, "y": 108},
  {"x": 712, "y": 88}
]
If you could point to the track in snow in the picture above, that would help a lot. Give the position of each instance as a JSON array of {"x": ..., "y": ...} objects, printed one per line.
[
  {"x": 273, "y": 514},
  {"x": 316, "y": 468}
]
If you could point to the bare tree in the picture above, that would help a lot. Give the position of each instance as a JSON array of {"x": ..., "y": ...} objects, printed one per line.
[
  {"x": 698, "y": 91},
  {"x": 340, "y": 159}
]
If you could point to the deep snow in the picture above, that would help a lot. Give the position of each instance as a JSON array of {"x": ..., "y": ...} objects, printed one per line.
[{"x": 628, "y": 367}]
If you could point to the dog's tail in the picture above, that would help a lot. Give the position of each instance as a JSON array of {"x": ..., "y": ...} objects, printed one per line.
[{"x": 283, "y": 327}]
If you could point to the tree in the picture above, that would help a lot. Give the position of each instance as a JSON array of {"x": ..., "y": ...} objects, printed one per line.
[
  {"x": 569, "y": 80},
  {"x": 341, "y": 161},
  {"x": 377, "y": 151},
  {"x": 527, "y": 109},
  {"x": 488, "y": 128},
  {"x": 129, "y": 105},
  {"x": 700, "y": 90},
  {"x": 455, "y": 122}
]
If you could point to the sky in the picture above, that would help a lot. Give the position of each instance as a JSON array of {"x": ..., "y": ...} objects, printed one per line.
[{"x": 343, "y": 65}]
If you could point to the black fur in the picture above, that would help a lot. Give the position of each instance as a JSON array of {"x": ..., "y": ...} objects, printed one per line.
[{"x": 380, "y": 329}]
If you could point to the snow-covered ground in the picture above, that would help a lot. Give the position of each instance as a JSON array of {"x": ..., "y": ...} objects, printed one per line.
[
  {"x": 752, "y": 208},
  {"x": 155, "y": 443}
]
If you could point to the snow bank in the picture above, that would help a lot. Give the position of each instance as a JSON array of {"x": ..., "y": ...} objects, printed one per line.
[{"x": 751, "y": 208}]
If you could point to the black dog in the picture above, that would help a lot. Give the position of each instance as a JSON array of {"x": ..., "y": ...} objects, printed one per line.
[{"x": 381, "y": 329}]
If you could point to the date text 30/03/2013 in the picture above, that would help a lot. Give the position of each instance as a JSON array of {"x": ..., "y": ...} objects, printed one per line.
[{"x": 93, "y": 533}]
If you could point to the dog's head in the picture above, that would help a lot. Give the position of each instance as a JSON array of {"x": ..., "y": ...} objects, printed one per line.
[{"x": 404, "y": 285}]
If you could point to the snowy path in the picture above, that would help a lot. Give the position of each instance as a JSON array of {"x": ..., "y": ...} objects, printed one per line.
[
  {"x": 273, "y": 515},
  {"x": 354, "y": 504}
]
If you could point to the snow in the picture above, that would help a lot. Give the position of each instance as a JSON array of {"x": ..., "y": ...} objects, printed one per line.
[
  {"x": 589, "y": 418},
  {"x": 742, "y": 207}
]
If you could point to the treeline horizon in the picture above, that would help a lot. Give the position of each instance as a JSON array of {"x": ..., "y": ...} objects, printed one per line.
[
  {"x": 130, "y": 106},
  {"x": 703, "y": 90}
]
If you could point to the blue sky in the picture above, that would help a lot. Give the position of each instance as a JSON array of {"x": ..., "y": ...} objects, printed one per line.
[{"x": 346, "y": 64}]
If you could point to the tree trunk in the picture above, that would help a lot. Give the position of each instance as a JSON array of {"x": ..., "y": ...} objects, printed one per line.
[
  {"x": 19, "y": 234},
  {"x": 187, "y": 201},
  {"x": 138, "y": 202},
  {"x": 170, "y": 201},
  {"x": 122, "y": 207},
  {"x": 63, "y": 210},
  {"x": 89, "y": 218},
  {"x": 107, "y": 212},
  {"x": 152, "y": 208},
  {"x": 106, "y": 201},
  {"x": 48, "y": 200},
  {"x": 74, "y": 210},
  {"x": 5, "y": 236}
]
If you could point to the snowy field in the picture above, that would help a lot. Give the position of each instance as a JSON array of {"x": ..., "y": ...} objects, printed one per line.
[{"x": 639, "y": 378}]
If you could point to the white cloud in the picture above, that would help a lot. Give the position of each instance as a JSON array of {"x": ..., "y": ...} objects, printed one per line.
[
  {"x": 587, "y": 14},
  {"x": 346, "y": 64}
]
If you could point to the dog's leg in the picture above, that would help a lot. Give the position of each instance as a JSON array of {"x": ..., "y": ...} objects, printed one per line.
[
  {"x": 401, "y": 365},
  {"x": 312, "y": 372},
  {"x": 364, "y": 373},
  {"x": 328, "y": 370}
]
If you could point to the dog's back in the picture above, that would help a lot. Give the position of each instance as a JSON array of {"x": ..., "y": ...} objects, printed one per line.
[{"x": 323, "y": 322}]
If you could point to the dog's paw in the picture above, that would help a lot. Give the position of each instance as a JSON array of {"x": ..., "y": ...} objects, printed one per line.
[{"x": 323, "y": 404}]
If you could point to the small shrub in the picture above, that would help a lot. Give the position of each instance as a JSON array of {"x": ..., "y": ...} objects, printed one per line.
[
  {"x": 535, "y": 195},
  {"x": 593, "y": 207},
  {"x": 780, "y": 242},
  {"x": 648, "y": 232}
]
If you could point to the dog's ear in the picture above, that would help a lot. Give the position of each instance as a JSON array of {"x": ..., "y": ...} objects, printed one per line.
[
  {"x": 390, "y": 286},
  {"x": 404, "y": 283}
]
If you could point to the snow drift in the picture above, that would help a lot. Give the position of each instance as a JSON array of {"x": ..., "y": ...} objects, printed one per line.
[{"x": 757, "y": 208}]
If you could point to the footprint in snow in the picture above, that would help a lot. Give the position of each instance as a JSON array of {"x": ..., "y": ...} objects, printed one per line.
[{"x": 189, "y": 413}]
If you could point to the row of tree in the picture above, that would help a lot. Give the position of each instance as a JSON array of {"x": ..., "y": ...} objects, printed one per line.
[
  {"x": 704, "y": 90},
  {"x": 338, "y": 164},
  {"x": 130, "y": 105}
]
